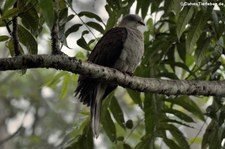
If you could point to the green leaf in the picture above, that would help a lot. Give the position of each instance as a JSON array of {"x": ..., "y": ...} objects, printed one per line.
[
  {"x": 195, "y": 31},
  {"x": 82, "y": 42},
  {"x": 90, "y": 15},
  {"x": 151, "y": 113},
  {"x": 27, "y": 39},
  {"x": 145, "y": 7},
  {"x": 109, "y": 126},
  {"x": 215, "y": 20},
  {"x": 210, "y": 137},
  {"x": 138, "y": 7},
  {"x": 9, "y": 13},
  {"x": 135, "y": 96},
  {"x": 172, "y": 6},
  {"x": 177, "y": 134},
  {"x": 201, "y": 51},
  {"x": 4, "y": 38},
  {"x": 10, "y": 46},
  {"x": 168, "y": 120},
  {"x": 63, "y": 14},
  {"x": 112, "y": 17},
  {"x": 117, "y": 112},
  {"x": 187, "y": 104},
  {"x": 80, "y": 55},
  {"x": 181, "y": 50},
  {"x": 30, "y": 20},
  {"x": 171, "y": 144},
  {"x": 145, "y": 143},
  {"x": 96, "y": 26},
  {"x": 65, "y": 86},
  {"x": 72, "y": 29},
  {"x": 8, "y": 4},
  {"x": 55, "y": 80},
  {"x": 47, "y": 11},
  {"x": 83, "y": 141},
  {"x": 183, "y": 19},
  {"x": 179, "y": 114},
  {"x": 126, "y": 146}
]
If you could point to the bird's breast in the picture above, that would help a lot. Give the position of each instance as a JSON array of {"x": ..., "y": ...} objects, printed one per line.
[{"x": 132, "y": 52}]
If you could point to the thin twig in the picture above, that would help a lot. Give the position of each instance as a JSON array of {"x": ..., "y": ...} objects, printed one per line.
[
  {"x": 55, "y": 30},
  {"x": 15, "y": 32}
]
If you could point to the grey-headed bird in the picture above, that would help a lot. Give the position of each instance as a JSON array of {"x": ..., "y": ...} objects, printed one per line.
[{"x": 121, "y": 48}]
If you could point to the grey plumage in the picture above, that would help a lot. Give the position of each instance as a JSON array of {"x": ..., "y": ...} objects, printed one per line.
[{"x": 121, "y": 48}]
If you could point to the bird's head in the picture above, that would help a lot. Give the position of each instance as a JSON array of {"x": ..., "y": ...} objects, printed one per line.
[{"x": 132, "y": 20}]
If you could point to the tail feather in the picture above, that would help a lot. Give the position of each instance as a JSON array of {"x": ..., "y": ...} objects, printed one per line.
[
  {"x": 96, "y": 108},
  {"x": 91, "y": 93}
]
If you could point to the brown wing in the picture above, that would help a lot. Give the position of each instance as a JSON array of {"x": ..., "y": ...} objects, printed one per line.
[
  {"x": 105, "y": 53},
  {"x": 109, "y": 48}
]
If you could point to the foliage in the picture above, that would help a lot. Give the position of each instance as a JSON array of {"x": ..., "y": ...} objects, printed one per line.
[{"x": 180, "y": 43}]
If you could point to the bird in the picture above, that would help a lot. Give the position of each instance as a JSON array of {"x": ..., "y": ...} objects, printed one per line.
[{"x": 121, "y": 48}]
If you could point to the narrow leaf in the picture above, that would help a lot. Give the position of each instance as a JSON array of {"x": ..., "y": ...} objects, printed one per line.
[
  {"x": 30, "y": 20},
  {"x": 135, "y": 96},
  {"x": 82, "y": 42},
  {"x": 90, "y": 15},
  {"x": 177, "y": 134},
  {"x": 145, "y": 7},
  {"x": 201, "y": 51},
  {"x": 4, "y": 38},
  {"x": 9, "y": 13},
  {"x": 183, "y": 19},
  {"x": 179, "y": 114},
  {"x": 181, "y": 50},
  {"x": 171, "y": 143},
  {"x": 55, "y": 80},
  {"x": 10, "y": 47},
  {"x": 65, "y": 86},
  {"x": 8, "y": 4},
  {"x": 27, "y": 39},
  {"x": 150, "y": 113},
  {"x": 72, "y": 29},
  {"x": 109, "y": 126},
  {"x": 195, "y": 31},
  {"x": 172, "y": 6},
  {"x": 96, "y": 26},
  {"x": 210, "y": 137},
  {"x": 47, "y": 11},
  {"x": 117, "y": 112},
  {"x": 187, "y": 104}
]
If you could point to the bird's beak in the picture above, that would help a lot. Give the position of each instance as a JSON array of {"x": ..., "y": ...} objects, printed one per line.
[{"x": 141, "y": 22}]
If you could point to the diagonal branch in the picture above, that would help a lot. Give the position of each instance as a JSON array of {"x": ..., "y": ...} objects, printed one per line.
[{"x": 63, "y": 62}]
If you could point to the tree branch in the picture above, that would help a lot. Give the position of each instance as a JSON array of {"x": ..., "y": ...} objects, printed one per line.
[{"x": 63, "y": 62}]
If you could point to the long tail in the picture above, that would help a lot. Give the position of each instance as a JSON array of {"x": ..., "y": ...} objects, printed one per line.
[{"x": 96, "y": 108}]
